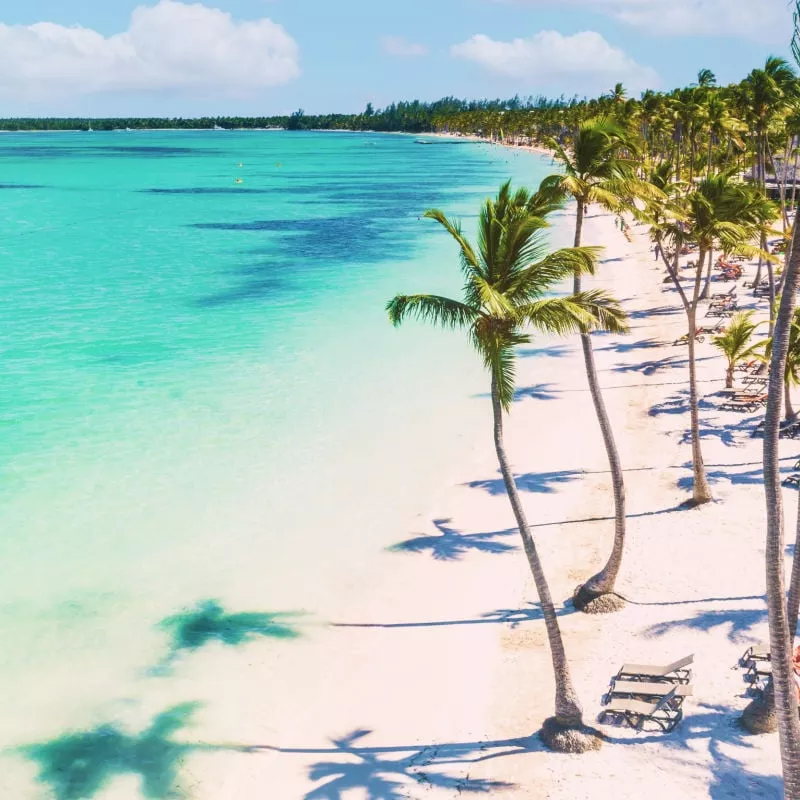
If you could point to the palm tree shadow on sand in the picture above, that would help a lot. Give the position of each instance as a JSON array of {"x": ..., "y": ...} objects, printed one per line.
[
  {"x": 350, "y": 767},
  {"x": 713, "y": 729},
  {"x": 77, "y": 766},
  {"x": 451, "y": 544},
  {"x": 208, "y": 622},
  {"x": 535, "y": 482}
]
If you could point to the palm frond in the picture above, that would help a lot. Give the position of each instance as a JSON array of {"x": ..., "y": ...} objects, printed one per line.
[
  {"x": 541, "y": 276},
  {"x": 493, "y": 303},
  {"x": 469, "y": 261},
  {"x": 440, "y": 311},
  {"x": 606, "y": 312}
]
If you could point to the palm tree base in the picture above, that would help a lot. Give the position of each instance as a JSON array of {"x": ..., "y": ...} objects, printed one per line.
[
  {"x": 590, "y": 603},
  {"x": 695, "y": 502},
  {"x": 759, "y": 716},
  {"x": 562, "y": 738}
]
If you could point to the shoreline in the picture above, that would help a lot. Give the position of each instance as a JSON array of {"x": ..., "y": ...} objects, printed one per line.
[{"x": 424, "y": 671}]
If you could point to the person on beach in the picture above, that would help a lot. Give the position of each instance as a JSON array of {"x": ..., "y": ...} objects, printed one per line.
[{"x": 657, "y": 251}]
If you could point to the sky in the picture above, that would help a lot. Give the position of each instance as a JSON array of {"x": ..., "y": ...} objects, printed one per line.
[{"x": 264, "y": 57}]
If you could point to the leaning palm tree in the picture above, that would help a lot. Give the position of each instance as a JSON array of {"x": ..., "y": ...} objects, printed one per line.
[
  {"x": 736, "y": 343},
  {"x": 507, "y": 282},
  {"x": 600, "y": 169},
  {"x": 781, "y": 636}
]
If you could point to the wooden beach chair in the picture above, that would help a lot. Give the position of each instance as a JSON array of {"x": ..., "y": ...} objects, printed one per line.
[
  {"x": 637, "y": 712},
  {"x": 676, "y": 672}
]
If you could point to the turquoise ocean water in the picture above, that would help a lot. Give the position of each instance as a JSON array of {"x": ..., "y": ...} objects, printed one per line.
[{"x": 200, "y": 394}]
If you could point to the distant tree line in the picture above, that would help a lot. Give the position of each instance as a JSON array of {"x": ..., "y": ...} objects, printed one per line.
[{"x": 410, "y": 117}]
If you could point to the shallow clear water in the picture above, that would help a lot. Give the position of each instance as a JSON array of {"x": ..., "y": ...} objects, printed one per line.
[{"x": 201, "y": 395}]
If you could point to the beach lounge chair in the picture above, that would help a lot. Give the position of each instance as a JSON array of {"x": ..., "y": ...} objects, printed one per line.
[
  {"x": 676, "y": 672},
  {"x": 791, "y": 432},
  {"x": 637, "y": 712},
  {"x": 745, "y": 402},
  {"x": 758, "y": 671},
  {"x": 646, "y": 690},
  {"x": 756, "y": 652}
]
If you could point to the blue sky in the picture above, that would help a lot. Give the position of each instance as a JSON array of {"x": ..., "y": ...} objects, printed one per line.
[{"x": 162, "y": 57}]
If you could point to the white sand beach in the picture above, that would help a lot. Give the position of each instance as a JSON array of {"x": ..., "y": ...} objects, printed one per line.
[{"x": 439, "y": 674}]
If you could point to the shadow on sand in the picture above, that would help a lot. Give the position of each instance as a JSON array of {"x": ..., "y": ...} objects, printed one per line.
[
  {"x": 514, "y": 617},
  {"x": 208, "y": 622},
  {"x": 738, "y": 621},
  {"x": 536, "y": 482},
  {"x": 387, "y": 773},
  {"x": 451, "y": 544},
  {"x": 718, "y": 726},
  {"x": 77, "y": 766}
]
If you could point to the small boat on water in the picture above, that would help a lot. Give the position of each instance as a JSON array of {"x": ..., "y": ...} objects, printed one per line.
[{"x": 422, "y": 141}]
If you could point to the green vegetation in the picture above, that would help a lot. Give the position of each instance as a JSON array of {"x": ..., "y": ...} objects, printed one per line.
[{"x": 736, "y": 343}]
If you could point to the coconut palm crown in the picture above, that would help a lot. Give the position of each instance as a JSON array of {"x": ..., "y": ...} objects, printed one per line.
[
  {"x": 507, "y": 279},
  {"x": 736, "y": 343},
  {"x": 599, "y": 168}
]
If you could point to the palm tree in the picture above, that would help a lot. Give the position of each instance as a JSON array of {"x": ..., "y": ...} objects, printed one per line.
[
  {"x": 735, "y": 343},
  {"x": 600, "y": 169},
  {"x": 780, "y": 634},
  {"x": 506, "y": 282},
  {"x": 706, "y": 78},
  {"x": 711, "y": 215},
  {"x": 782, "y": 619}
]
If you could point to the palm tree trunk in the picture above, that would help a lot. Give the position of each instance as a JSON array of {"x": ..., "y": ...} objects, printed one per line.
[
  {"x": 707, "y": 288},
  {"x": 783, "y": 184},
  {"x": 568, "y": 707},
  {"x": 780, "y": 636},
  {"x": 771, "y": 279},
  {"x": 708, "y": 165},
  {"x": 793, "y": 602},
  {"x": 702, "y": 490},
  {"x": 603, "y": 582},
  {"x": 787, "y": 400},
  {"x": 729, "y": 377},
  {"x": 579, "y": 222}
]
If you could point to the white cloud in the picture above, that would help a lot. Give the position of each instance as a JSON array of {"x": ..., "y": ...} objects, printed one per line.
[
  {"x": 583, "y": 63},
  {"x": 169, "y": 46},
  {"x": 397, "y": 46},
  {"x": 761, "y": 20}
]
